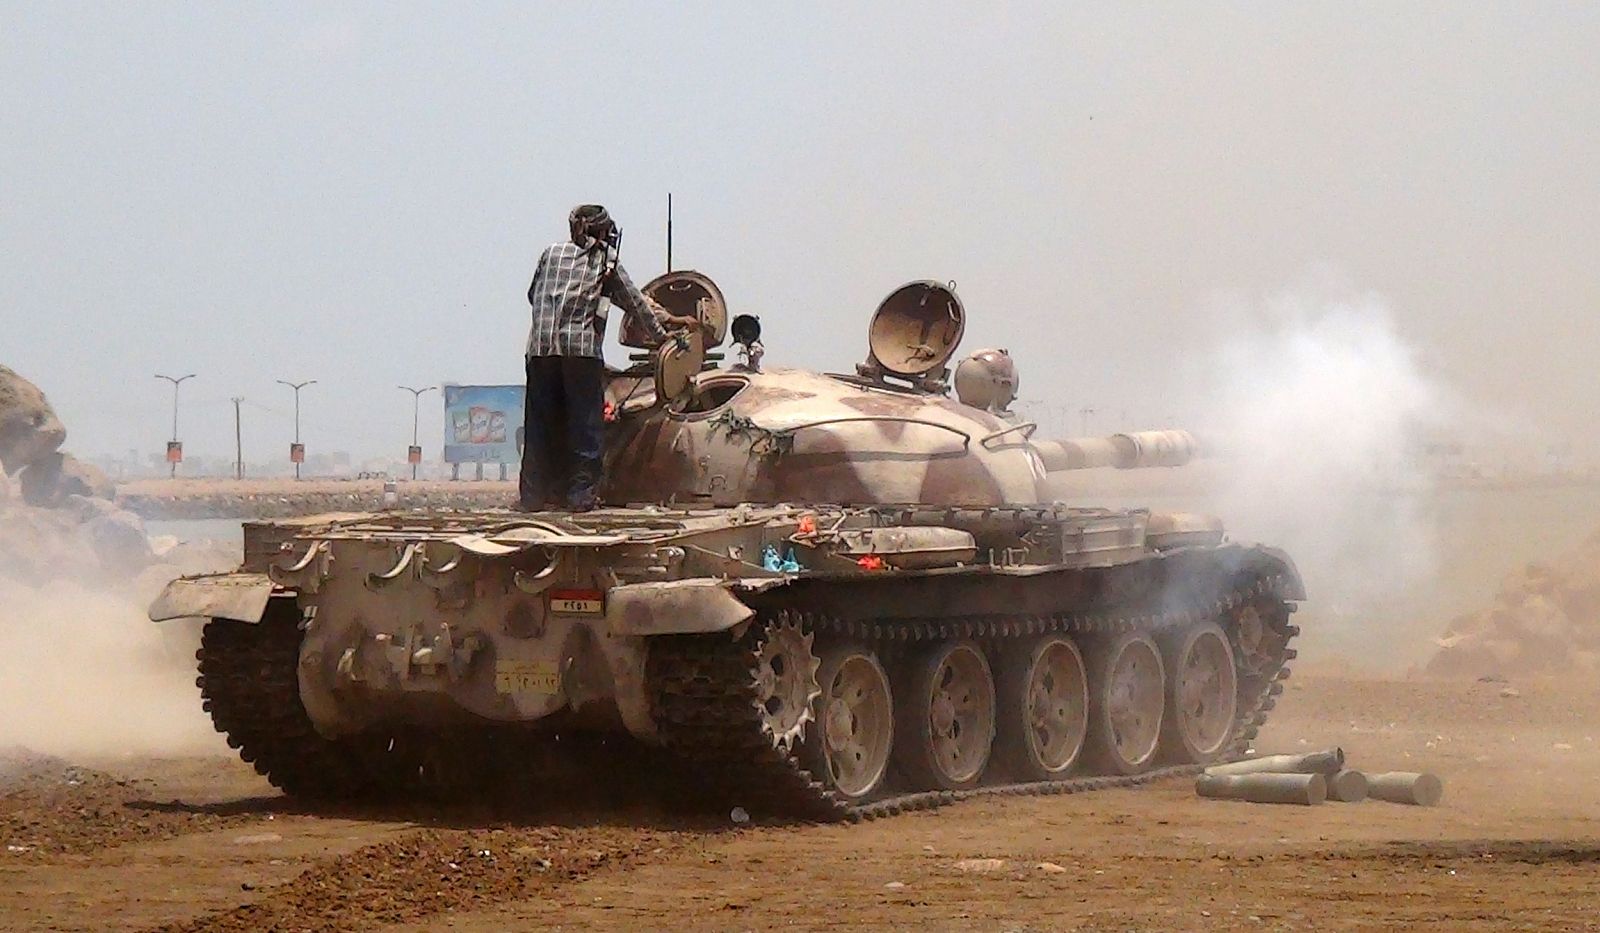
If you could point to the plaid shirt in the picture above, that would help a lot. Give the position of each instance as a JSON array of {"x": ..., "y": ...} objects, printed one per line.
[{"x": 569, "y": 315}]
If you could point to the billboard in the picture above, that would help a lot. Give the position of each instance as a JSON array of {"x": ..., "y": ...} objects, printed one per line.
[{"x": 483, "y": 424}]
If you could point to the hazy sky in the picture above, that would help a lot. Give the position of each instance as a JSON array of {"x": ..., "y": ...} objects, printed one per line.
[{"x": 356, "y": 193}]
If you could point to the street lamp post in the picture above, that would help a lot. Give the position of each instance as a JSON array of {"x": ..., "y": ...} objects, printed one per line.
[
  {"x": 238, "y": 440},
  {"x": 415, "y": 453},
  {"x": 297, "y": 452},
  {"x": 171, "y": 447}
]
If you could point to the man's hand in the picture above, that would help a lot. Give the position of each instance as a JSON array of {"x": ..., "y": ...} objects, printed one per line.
[{"x": 669, "y": 320}]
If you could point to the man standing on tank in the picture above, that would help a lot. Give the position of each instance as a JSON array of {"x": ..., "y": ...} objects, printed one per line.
[{"x": 564, "y": 412}]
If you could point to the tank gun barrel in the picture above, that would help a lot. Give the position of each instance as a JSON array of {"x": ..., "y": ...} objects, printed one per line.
[{"x": 1132, "y": 451}]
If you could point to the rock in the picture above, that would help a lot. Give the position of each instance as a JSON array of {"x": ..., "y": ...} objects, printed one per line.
[
  {"x": 1540, "y": 617},
  {"x": 37, "y": 544},
  {"x": 37, "y": 481},
  {"x": 1050, "y": 868},
  {"x": 119, "y": 542},
  {"x": 48, "y": 481},
  {"x": 29, "y": 428},
  {"x": 1544, "y": 620},
  {"x": 89, "y": 508},
  {"x": 981, "y": 865},
  {"x": 1510, "y": 693},
  {"x": 86, "y": 479}
]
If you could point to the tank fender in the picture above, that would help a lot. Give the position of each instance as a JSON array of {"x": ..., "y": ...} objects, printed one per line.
[
  {"x": 677, "y": 607},
  {"x": 1259, "y": 558},
  {"x": 1294, "y": 586},
  {"x": 241, "y": 597}
]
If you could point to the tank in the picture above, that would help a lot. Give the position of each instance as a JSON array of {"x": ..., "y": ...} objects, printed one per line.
[{"x": 824, "y": 596}]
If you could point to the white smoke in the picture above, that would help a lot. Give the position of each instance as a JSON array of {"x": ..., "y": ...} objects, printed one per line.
[{"x": 1322, "y": 415}]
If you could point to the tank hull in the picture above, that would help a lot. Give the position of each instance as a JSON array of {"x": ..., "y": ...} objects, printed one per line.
[{"x": 678, "y": 630}]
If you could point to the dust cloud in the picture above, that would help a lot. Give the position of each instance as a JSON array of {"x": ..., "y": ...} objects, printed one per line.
[
  {"x": 1321, "y": 415},
  {"x": 83, "y": 672}
]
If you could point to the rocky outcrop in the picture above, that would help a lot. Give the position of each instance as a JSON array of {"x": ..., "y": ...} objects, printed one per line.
[
  {"x": 29, "y": 428},
  {"x": 1545, "y": 620},
  {"x": 30, "y": 448},
  {"x": 57, "y": 517}
]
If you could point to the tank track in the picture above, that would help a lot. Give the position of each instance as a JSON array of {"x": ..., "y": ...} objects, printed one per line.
[
  {"x": 249, "y": 685},
  {"x": 704, "y": 704},
  {"x": 707, "y": 709}
]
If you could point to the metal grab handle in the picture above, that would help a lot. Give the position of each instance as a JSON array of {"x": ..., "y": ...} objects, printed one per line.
[
  {"x": 304, "y": 562},
  {"x": 444, "y": 569},
  {"x": 300, "y": 574},
  {"x": 1028, "y": 426},
  {"x": 536, "y": 583},
  {"x": 435, "y": 576},
  {"x": 376, "y": 580},
  {"x": 966, "y": 439}
]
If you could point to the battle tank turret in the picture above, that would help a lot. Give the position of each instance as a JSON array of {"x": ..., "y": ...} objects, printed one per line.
[
  {"x": 688, "y": 432},
  {"x": 832, "y": 594}
]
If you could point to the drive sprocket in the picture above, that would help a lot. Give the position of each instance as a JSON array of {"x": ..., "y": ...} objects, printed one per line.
[{"x": 785, "y": 675}]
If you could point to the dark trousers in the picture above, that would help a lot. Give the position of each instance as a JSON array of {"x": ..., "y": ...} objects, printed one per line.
[{"x": 562, "y": 426}]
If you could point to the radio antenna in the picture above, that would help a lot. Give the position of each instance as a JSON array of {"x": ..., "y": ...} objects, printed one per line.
[{"x": 669, "y": 231}]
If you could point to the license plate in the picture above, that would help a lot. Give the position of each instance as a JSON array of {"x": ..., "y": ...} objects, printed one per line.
[
  {"x": 526, "y": 677},
  {"x": 578, "y": 602}
]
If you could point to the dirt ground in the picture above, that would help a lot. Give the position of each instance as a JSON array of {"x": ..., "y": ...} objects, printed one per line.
[{"x": 201, "y": 843}]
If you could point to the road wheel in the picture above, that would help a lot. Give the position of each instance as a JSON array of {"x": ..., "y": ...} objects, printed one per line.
[
  {"x": 1202, "y": 695},
  {"x": 1127, "y": 693},
  {"x": 946, "y": 721},
  {"x": 848, "y": 744},
  {"x": 1044, "y": 708}
]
